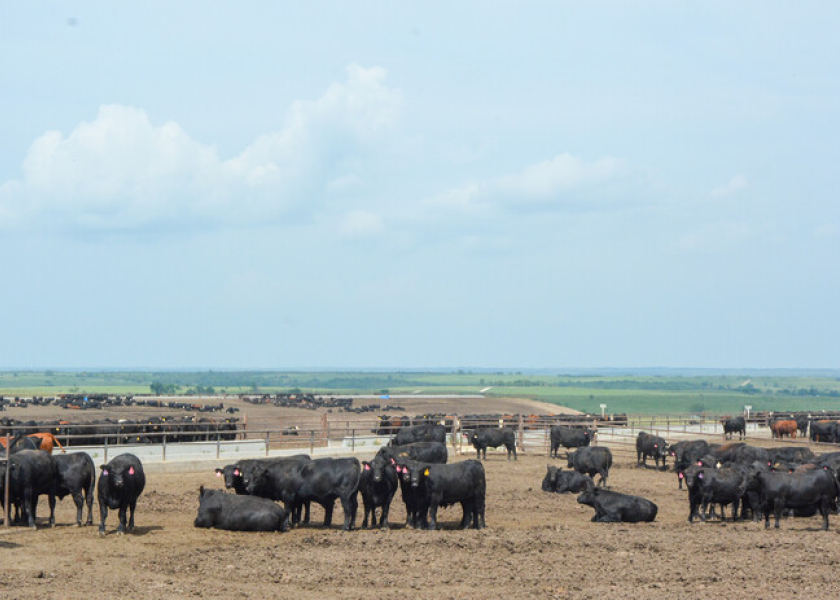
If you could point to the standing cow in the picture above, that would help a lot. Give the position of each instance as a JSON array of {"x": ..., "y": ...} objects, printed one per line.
[
  {"x": 76, "y": 477},
  {"x": 653, "y": 446},
  {"x": 591, "y": 461},
  {"x": 737, "y": 425},
  {"x": 120, "y": 484},
  {"x": 568, "y": 437},
  {"x": 481, "y": 439},
  {"x": 378, "y": 484}
]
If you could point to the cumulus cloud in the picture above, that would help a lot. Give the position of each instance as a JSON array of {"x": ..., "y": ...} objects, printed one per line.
[
  {"x": 120, "y": 171},
  {"x": 738, "y": 182},
  {"x": 564, "y": 182}
]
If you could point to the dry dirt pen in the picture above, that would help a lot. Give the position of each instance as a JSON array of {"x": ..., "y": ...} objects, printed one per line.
[{"x": 536, "y": 545}]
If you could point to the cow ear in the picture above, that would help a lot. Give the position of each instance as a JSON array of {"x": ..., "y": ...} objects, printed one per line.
[{"x": 201, "y": 491}]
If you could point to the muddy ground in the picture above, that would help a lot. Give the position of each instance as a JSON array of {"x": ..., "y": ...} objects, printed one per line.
[{"x": 536, "y": 545}]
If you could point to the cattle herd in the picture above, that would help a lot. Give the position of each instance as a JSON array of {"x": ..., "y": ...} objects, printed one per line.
[{"x": 274, "y": 494}]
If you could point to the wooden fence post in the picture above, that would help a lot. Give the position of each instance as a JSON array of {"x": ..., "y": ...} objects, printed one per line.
[{"x": 521, "y": 434}]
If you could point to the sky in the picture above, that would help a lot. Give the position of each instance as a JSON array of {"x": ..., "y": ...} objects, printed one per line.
[{"x": 288, "y": 185}]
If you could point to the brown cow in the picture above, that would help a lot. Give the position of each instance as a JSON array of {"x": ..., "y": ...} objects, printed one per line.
[{"x": 782, "y": 428}]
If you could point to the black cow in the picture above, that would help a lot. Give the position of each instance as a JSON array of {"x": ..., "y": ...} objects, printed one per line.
[
  {"x": 414, "y": 497},
  {"x": 685, "y": 454},
  {"x": 427, "y": 452},
  {"x": 76, "y": 477},
  {"x": 481, "y": 439},
  {"x": 613, "y": 507},
  {"x": 653, "y": 446},
  {"x": 33, "y": 474},
  {"x": 324, "y": 480},
  {"x": 737, "y": 425},
  {"x": 233, "y": 474},
  {"x": 419, "y": 433},
  {"x": 378, "y": 484},
  {"x": 793, "y": 454},
  {"x": 590, "y": 461},
  {"x": 238, "y": 513},
  {"x": 120, "y": 484},
  {"x": 802, "y": 491},
  {"x": 559, "y": 481},
  {"x": 568, "y": 437},
  {"x": 714, "y": 486},
  {"x": 802, "y": 424},
  {"x": 273, "y": 479},
  {"x": 824, "y": 431},
  {"x": 462, "y": 482}
]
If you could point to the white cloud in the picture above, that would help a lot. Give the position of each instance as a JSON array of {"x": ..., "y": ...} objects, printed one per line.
[
  {"x": 122, "y": 172},
  {"x": 359, "y": 224},
  {"x": 562, "y": 183},
  {"x": 738, "y": 182}
]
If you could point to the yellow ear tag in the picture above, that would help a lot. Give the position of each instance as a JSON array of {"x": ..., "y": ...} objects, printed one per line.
[{"x": 426, "y": 472}]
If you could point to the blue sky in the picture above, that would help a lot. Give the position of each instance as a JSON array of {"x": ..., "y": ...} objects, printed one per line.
[{"x": 305, "y": 185}]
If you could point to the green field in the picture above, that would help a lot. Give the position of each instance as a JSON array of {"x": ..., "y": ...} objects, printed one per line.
[{"x": 648, "y": 394}]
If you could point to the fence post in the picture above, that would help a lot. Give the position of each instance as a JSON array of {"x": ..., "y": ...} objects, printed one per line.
[
  {"x": 521, "y": 433},
  {"x": 311, "y": 442},
  {"x": 353, "y": 440},
  {"x": 105, "y": 449},
  {"x": 266, "y": 442},
  {"x": 163, "y": 449},
  {"x": 218, "y": 445},
  {"x": 243, "y": 435},
  {"x": 6, "y": 482}
]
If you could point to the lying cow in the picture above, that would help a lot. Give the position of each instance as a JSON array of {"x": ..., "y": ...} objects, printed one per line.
[
  {"x": 613, "y": 507},
  {"x": 238, "y": 513},
  {"x": 481, "y": 439},
  {"x": 120, "y": 484},
  {"x": 560, "y": 481}
]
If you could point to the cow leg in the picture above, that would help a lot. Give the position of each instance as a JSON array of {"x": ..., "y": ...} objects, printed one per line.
[
  {"x": 478, "y": 508},
  {"x": 328, "y": 512},
  {"x": 103, "y": 514},
  {"x": 51, "y": 499},
  {"x": 89, "y": 502},
  {"x": 368, "y": 512},
  {"x": 122, "y": 511},
  {"x": 305, "y": 512},
  {"x": 514, "y": 452},
  {"x": 778, "y": 507},
  {"x": 349, "y": 505},
  {"x": 131, "y": 518},
  {"x": 29, "y": 507},
  {"x": 825, "y": 508},
  {"x": 433, "y": 507}
]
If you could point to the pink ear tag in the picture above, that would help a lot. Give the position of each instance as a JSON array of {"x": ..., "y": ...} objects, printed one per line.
[
  {"x": 104, "y": 471},
  {"x": 236, "y": 472},
  {"x": 656, "y": 445},
  {"x": 367, "y": 467},
  {"x": 681, "y": 475},
  {"x": 131, "y": 470},
  {"x": 218, "y": 474},
  {"x": 700, "y": 476}
]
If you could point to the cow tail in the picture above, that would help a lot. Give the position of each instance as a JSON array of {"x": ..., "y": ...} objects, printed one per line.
[{"x": 57, "y": 443}]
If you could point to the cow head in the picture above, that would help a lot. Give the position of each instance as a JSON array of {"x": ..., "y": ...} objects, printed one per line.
[
  {"x": 117, "y": 475},
  {"x": 252, "y": 478},
  {"x": 402, "y": 472},
  {"x": 551, "y": 476},
  {"x": 589, "y": 494},
  {"x": 571, "y": 459},
  {"x": 377, "y": 468}
]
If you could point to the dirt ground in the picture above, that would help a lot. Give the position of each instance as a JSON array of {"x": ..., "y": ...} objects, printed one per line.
[{"x": 536, "y": 545}]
